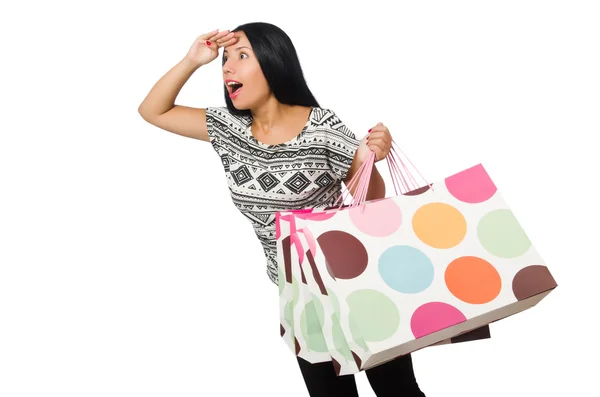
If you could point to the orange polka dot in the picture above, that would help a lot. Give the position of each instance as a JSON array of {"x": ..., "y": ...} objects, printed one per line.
[
  {"x": 473, "y": 280},
  {"x": 439, "y": 225}
]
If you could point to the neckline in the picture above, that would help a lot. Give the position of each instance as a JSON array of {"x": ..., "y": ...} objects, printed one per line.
[{"x": 288, "y": 142}]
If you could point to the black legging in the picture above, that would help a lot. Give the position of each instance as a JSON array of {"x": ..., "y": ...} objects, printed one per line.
[{"x": 394, "y": 378}]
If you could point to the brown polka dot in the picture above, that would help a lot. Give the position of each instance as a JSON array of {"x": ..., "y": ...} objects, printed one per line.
[
  {"x": 281, "y": 330},
  {"x": 418, "y": 191},
  {"x": 357, "y": 359},
  {"x": 345, "y": 255},
  {"x": 287, "y": 258},
  {"x": 531, "y": 281},
  {"x": 316, "y": 274},
  {"x": 297, "y": 346}
]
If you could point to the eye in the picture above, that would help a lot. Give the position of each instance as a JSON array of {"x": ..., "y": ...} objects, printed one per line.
[{"x": 243, "y": 54}]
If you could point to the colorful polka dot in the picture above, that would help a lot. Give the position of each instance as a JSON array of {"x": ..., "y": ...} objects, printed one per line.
[
  {"x": 310, "y": 323},
  {"x": 316, "y": 216},
  {"x": 339, "y": 339},
  {"x": 434, "y": 316},
  {"x": 500, "y": 233},
  {"x": 357, "y": 336},
  {"x": 417, "y": 191},
  {"x": 439, "y": 225},
  {"x": 288, "y": 313},
  {"x": 472, "y": 185},
  {"x": 346, "y": 256},
  {"x": 406, "y": 269},
  {"x": 335, "y": 303},
  {"x": 531, "y": 281},
  {"x": 473, "y": 280},
  {"x": 374, "y": 314},
  {"x": 377, "y": 219}
]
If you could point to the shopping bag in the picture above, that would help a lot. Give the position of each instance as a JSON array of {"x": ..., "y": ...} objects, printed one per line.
[
  {"x": 294, "y": 280},
  {"x": 415, "y": 270},
  {"x": 344, "y": 360},
  {"x": 300, "y": 316}
]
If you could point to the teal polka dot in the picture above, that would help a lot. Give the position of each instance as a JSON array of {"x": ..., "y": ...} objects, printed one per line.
[
  {"x": 406, "y": 269},
  {"x": 500, "y": 234},
  {"x": 374, "y": 315}
]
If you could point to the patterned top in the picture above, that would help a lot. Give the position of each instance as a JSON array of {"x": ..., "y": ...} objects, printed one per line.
[{"x": 304, "y": 172}]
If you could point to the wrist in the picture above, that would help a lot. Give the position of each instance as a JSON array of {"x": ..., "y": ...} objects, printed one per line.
[{"x": 189, "y": 64}]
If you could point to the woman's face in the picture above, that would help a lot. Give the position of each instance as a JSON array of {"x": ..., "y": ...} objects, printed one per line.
[{"x": 243, "y": 76}]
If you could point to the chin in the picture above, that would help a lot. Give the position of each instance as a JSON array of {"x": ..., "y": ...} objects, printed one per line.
[
  {"x": 241, "y": 108},
  {"x": 241, "y": 105}
]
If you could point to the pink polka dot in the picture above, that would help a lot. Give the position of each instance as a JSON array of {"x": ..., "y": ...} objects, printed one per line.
[
  {"x": 472, "y": 185},
  {"x": 378, "y": 219},
  {"x": 434, "y": 316},
  {"x": 317, "y": 216}
]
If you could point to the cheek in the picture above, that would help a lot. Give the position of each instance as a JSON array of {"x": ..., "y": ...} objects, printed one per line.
[{"x": 259, "y": 83}]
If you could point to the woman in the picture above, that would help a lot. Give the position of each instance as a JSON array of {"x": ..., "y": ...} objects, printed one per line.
[{"x": 280, "y": 150}]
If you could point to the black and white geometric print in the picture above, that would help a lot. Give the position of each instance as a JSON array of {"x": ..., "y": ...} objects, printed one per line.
[{"x": 305, "y": 172}]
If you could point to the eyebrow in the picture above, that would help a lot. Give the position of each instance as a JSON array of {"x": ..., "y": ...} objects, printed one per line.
[{"x": 239, "y": 48}]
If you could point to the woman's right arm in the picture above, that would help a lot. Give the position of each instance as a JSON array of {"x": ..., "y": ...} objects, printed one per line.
[{"x": 159, "y": 109}]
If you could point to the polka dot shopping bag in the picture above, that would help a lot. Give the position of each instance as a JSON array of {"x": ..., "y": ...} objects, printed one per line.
[{"x": 432, "y": 265}]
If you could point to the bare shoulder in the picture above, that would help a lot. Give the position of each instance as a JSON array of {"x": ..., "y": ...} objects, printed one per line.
[{"x": 182, "y": 120}]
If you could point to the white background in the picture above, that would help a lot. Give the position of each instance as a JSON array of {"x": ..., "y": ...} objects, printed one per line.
[{"x": 125, "y": 270}]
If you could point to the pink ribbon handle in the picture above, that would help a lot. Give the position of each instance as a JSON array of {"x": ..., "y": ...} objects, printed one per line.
[
  {"x": 399, "y": 172},
  {"x": 295, "y": 239}
]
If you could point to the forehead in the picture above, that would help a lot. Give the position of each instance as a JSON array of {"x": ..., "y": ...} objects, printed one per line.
[{"x": 241, "y": 42}]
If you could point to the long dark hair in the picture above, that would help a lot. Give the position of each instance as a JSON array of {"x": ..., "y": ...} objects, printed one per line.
[{"x": 280, "y": 65}]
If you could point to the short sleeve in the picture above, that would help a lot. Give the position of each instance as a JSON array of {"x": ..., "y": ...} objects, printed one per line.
[
  {"x": 216, "y": 125},
  {"x": 341, "y": 145}
]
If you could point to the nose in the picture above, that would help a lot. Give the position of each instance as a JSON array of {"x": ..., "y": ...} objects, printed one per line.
[{"x": 228, "y": 67}]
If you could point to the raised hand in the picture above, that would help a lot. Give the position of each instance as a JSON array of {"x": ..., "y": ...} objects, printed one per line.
[{"x": 205, "y": 48}]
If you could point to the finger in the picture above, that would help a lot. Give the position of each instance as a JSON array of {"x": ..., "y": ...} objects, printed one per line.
[
  {"x": 380, "y": 139},
  {"x": 379, "y": 134},
  {"x": 219, "y": 35},
  {"x": 208, "y": 35},
  {"x": 377, "y": 145},
  {"x": 228, "y": 42},
  {"x": 378, "y": 152},
  {"x": 228, "y": 36},
  {"x": 383, "y": 145},
  {"x": 379, "y": 127}
]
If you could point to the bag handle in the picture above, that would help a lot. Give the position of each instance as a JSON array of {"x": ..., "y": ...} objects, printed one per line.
[{"x": 399, "y": 172}]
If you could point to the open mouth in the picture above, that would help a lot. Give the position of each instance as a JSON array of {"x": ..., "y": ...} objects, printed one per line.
[{"x": 233, "y": 86}]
